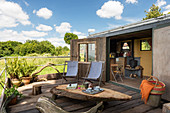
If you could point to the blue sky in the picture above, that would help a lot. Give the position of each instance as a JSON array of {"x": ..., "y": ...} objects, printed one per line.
[{"x": 40, "y": 20}]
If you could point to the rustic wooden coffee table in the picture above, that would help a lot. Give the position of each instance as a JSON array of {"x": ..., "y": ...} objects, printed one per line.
[{"x": 106, "y": 95}]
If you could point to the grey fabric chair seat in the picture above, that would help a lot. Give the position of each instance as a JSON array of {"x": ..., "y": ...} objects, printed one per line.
[
  {"x": 72, "y": 70},
  {"x": 95, "y": 71}
]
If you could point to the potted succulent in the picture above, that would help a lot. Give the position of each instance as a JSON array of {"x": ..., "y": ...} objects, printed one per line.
[
  {"x": 13, "y": 70},
  {"x": 26, "y": 69}
]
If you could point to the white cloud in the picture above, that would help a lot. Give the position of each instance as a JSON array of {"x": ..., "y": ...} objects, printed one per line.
[
  {"x": 111, "y": 26},
  {"x": 42, "y": 27},
  {"x": 6, "y": 35},
  {"x": 131, "y": 1},
  {"x": 58, "y": 42},
  {"x": 63, "y": 28},
  {"x": 55, "y": 41},
  {"x": 80, "y": 34},
  {"x": 26, "y": 3},
  {"x": 167, "y": 9},
  {"x": 34, "y": 33},
  {"x": 77, "y": 33},
  {"x": 34, "y": 11},
  {"x": 91, "y": 30},
  {"x": 6, "y": 21},
  {"x": 11, "y": 15},
  {"x": 111, "y": 9},
  {"x": 131, "y": 20},
  {"x": 160, "y": 3},
  {"x": 44, "y": 13}
]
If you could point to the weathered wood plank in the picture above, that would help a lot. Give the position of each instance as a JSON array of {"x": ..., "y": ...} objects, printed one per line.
[
  {"x": 78, "y": 106},
  {"x": 124, "y": 106},
  {"x": 139, "y": 109},
  {"x": 116, "y": 103},
  {"x": 156, "y": 110}
]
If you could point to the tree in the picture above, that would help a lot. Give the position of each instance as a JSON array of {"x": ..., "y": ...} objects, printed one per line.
[
  {"x": 154, "y": 12},
  {"x": 59, "y": 50},
  {"x": 65, "y": 48},
  {"x": 69, "y": 36}
]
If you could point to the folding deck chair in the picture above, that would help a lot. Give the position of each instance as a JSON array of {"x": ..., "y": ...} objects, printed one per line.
[
  {"x": 95, "y": 71},
  {"x": 72, "y": 70},
  {"x": 116, "y": 72}
]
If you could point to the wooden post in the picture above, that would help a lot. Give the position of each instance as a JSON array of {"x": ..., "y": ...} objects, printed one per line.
[{"x": 36, "y": 90}]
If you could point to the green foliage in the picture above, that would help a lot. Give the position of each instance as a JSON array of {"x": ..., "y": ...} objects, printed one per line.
[
  {"x": 154, "y": 12},
  {"x": 65, "y": 48},
  {"x": 27, "y": 68},
  {"x": 7, "y": 48},
  {"x": 31, "y": 46},
  {"x": 12, "y": 91},
  {"x": 69, "y": 36},
  {"x": 62, "y": 51},
  {"x": 13, "y": 68},
  {"x": 58, "y": 50}
]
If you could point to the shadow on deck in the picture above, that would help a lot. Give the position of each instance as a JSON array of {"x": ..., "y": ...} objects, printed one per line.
[{"x": 28, "y": 102}]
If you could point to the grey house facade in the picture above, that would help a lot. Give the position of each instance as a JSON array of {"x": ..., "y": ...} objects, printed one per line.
[{"x": 155, "y": 60}]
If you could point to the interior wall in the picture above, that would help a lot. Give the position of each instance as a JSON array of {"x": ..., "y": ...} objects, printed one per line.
[{"x": 145, "y": 57}]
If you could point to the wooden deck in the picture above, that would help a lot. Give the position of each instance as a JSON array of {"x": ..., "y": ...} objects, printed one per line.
[{"x": 28, "y": 102}]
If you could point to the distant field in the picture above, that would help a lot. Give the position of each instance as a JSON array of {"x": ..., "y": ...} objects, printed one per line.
[{"x": 39, "y": 61}]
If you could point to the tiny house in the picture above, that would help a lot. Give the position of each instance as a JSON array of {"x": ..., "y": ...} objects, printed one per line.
[{"x": 146, "y": 42}]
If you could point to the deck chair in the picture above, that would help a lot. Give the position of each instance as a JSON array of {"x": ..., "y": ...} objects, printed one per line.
[
  {"x": 72, "y": 70},
  {"x": 95, "y": 71}
]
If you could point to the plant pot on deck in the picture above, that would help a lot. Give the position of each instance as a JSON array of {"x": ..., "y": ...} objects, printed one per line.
[
  {"x": 13, "y": 101},
  {"x": 16, "y": 82},
  {"x": 26, "y": 80}
]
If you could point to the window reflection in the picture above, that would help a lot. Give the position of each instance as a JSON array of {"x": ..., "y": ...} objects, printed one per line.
[
  {"x": 83, "y": 52},
  {"x": 91, "y": 52},
  {"x": 87, "y": 52},
  {"x": 146, "y": 45}
]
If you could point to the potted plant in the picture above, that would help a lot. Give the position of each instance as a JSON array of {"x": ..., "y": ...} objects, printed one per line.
[
  {"x": 11, "y": 93},
  {"x": 26, "y": 69},
  {"x": 13, "y": 70}
]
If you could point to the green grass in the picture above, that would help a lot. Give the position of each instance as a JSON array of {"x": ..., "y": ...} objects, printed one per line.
[
  {"x": 39, "y": 61},
  {"x": 48, "y": 70}
]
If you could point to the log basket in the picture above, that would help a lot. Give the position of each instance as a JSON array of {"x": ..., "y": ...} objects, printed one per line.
[{"x": 157, "y": 90}]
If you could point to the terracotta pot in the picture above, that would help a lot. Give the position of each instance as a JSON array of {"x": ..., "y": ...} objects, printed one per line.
[
  {"x": 16, "y": 82},
  {"x": 13, "y": 101},
  {"x": 26, "y": 80}
]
